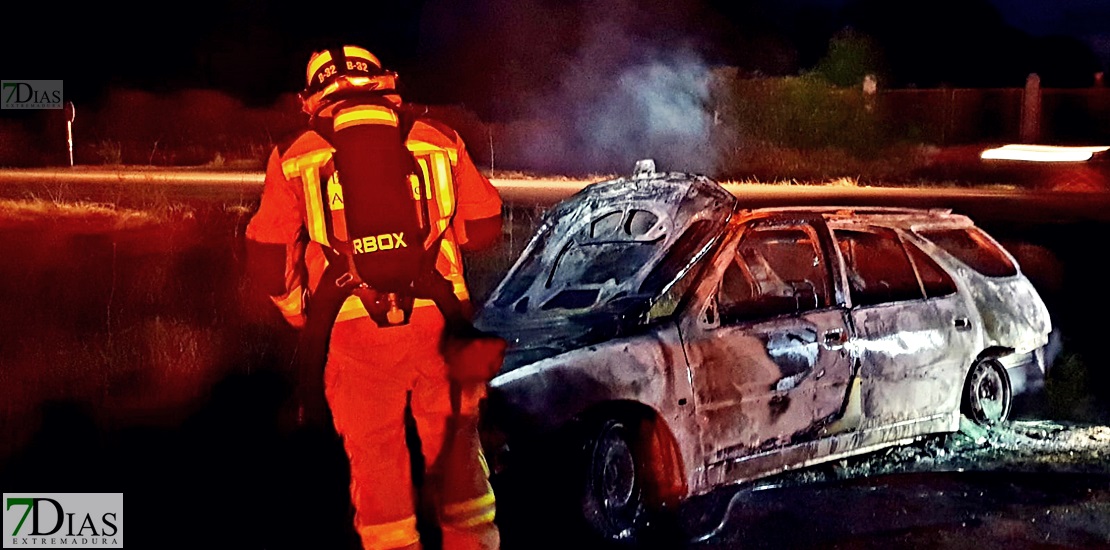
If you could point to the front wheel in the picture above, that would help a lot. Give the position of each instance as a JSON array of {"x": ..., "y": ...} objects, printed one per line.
[
  {"x": 987, "y": 397},
  {"x": 613, "y": 481}
]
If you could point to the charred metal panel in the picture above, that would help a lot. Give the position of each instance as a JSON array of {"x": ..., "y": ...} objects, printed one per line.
[
  {"x": 622, "y": 296},
  {"x": 599, "y": 261},
  {"x": 757, "y": 386},
  {"x": 648, "y": 369},
  {"x": 823, "y": 450},
  {"x": 913, "y": 358},
  {"x": 1012, "y": 314}
]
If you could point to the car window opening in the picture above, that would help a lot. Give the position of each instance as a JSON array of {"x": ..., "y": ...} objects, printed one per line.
[
  {"x": 776, "y": 271},
  {"x": 879, "y": 270},
  {"x": 974, "y": 249}
]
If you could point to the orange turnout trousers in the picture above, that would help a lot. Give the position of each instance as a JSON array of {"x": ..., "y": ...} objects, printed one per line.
[{"x": 369, "y": 377}]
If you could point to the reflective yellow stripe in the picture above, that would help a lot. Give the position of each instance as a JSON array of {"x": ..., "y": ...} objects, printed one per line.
[
  {"x": 482, "y": 460},
  {"x": 307, "y": 167},
  {"x": 292, "y": 303},
  {"x": 448, "y": 249},
  {"x": 445, "y": 188},
  {"x": 314, "y": 205},
  {"x": 461, "y": 292},
  {"x": 418, "y": 147},
  {"x": 352, "y": 308},
  {"x": 317, "y": 61},
  {"x": 487, "y": 517},
  {"x": 292, "y": 168},
  {"x": 365, "y": 114},
  {"x": 471, "y": 512},
  {"x": 427, "y": 176},
  {"x": 465, "y": 506},
  {"x": 397, "y": 534},
  {"x": 355, "y": 51}
]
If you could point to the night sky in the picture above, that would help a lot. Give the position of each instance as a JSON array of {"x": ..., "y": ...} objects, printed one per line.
[{"x": 501, "y": 57}]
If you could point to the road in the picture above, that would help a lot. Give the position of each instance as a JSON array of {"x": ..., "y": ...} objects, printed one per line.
[
  {"x": 1041, "y": 482},
  {"x": 995, "y": 203}
]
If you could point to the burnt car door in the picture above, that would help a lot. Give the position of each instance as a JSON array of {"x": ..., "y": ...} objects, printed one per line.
[
  {"x": 913, "y": 330},
  {"x": 766, "y": 342}
]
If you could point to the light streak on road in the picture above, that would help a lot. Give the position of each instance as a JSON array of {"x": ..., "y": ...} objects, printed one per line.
[{"x": 1042, "y": 153}]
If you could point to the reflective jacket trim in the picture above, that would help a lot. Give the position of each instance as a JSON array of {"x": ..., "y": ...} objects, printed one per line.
[
  {"x": 396, "y": 534},
  {"x": 349, "y": 51},
  {"x": 335, "y": 205},
  {"x": 292, "y": 303},
  {"x": 468, "y": 513},
  {"x": 365, "y": 114},
  {"x": 307, "y": 168},
  {"x": 418, "y": 147}
]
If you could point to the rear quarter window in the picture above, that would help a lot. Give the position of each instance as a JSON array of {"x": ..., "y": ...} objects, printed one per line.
[{"x": 972, "y": 247}]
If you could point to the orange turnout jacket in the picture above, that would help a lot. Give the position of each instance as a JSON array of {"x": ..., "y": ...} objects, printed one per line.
[{"x": 373, "y": 372}]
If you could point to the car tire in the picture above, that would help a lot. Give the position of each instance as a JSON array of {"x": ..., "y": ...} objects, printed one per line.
[
  {"x": 988, "y": 396},
  {"x": 612, "y": 483}
]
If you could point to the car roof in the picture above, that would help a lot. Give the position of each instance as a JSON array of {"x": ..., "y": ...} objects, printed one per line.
[{"x": 901, "y": 217}]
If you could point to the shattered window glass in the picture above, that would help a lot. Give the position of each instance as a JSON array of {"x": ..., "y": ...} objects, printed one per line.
[
  {"x": 776, "y": 271},
  {"x": 878, "y": 269},
  {"x": 973, "y": 248}
]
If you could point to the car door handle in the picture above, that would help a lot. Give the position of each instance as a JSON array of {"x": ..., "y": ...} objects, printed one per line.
[
  {"x": 962, "y": 323},
  {"x": 834, "y": 337}
]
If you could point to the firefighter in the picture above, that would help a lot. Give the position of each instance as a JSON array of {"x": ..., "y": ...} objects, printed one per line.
[{"x": 375, "y": 369}]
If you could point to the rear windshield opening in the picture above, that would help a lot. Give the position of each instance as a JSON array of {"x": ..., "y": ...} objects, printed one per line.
[{"x": 973, "y": 248}]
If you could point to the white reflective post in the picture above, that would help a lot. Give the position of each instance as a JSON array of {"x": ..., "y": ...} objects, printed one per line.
[{"x": 71, "y": 113}]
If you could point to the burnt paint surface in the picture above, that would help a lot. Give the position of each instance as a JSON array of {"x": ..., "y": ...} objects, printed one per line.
[
  {"x": 757, "y": 387},
  {"x": 756, "y": 397},
  {"x": 648, "y": 369},
  {"x": 913, "y": 358}
]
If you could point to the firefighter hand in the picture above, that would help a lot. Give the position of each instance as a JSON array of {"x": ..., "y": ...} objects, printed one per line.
[{"x": 472, "y": 356}]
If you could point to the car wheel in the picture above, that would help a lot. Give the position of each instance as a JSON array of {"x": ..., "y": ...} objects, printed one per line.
[
  {"x": 612, "y": 490},
  {"x": 987, "y": 393}
]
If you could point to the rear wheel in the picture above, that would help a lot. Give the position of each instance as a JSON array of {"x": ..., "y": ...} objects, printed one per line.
[{"x": 987, "y": 397}]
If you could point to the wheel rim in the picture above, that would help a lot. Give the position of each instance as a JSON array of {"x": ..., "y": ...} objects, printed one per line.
[
  {"x": 618, "y": 475},
  {"x": 613, "y": 497},
  {"x": 989, "y": 394}
]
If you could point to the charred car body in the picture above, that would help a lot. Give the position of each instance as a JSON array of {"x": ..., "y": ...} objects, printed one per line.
[{"x": 668, "y": 341}]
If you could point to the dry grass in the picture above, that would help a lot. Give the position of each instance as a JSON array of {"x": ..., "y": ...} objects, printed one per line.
[{"x": 105, "y": 216}]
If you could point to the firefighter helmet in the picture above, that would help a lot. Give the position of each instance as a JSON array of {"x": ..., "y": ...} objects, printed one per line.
[{"x": 336, "y": 72}]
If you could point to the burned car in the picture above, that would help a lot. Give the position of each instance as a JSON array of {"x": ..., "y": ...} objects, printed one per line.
[{"x": 665, "y": 341}]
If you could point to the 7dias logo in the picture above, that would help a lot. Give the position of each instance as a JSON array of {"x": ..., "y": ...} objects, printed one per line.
[
  {"x": 72, "y": 520},
  {"x": 30, "y": 94}
]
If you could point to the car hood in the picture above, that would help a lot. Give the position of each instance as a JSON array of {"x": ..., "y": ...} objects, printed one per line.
[{"x": 600, "y": 259}]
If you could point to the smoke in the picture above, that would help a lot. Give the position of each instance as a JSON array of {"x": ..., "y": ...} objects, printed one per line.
[
  {"x": 652, "y": 110},
  {"x": 633, "y": 88},
  {"x": 579, "y": 87}
]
